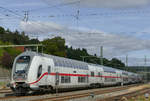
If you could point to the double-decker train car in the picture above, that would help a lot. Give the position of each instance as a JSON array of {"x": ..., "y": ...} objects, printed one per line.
[{"x": 35, "y": 72}]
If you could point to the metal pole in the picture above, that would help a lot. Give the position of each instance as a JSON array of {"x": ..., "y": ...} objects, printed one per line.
[
  {"x": 126, "y": 60},
  {"x": 37, "y": 48},
  {"x": 145, "y": 60},
  {"x": 101, "y": 55},
  {"x": 56, "y": 81},
  {"x": 83, "y": 59},
  {"x": 42, "y": 49}
]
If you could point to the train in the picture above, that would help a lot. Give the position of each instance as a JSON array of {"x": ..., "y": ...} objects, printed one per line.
[{"x": 34, "y": 71}]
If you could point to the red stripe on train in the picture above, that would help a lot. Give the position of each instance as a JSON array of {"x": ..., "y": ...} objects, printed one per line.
[{"x": 64, "y": 74}]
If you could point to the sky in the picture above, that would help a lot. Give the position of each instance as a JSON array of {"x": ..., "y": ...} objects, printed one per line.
[{"x": 122, "y": 27}]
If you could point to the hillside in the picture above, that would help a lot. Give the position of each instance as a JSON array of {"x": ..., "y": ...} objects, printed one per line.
[{"x": 4, "y": 72}]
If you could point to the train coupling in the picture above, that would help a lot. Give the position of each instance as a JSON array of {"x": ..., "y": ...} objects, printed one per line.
[{"x": 25, "y": 85}]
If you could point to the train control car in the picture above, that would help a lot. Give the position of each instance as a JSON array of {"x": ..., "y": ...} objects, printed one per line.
[{"x": 40, "y": 72}]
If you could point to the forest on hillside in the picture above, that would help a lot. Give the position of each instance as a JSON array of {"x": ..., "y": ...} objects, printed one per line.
[{"x": 55, "y": 46}]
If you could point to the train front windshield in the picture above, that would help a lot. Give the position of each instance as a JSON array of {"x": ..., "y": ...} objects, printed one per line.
[{"x": 22, "y": 64}]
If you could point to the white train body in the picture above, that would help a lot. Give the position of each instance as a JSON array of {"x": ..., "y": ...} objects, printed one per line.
[{"x": 34, "y": 71}]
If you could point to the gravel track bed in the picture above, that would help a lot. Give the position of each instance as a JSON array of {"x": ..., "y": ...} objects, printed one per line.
[{"x": 11, "y": 97}]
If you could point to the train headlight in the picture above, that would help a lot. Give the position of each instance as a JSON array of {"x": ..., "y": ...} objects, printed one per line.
[
  {"x": 146, "y": 95},
  {"x": 15, "y": 76}
]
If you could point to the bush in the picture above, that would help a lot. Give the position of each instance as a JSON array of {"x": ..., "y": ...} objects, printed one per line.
[{"x": 7, "y": 60}]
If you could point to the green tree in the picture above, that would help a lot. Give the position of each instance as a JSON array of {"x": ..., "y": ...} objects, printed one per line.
[
  {"x": 6, "y": 60},
  {"x": 116, "y": 63},
  {"x": 7, "y": 55},
  {"x": 55, "y": 46},
  {"x": 2, "y": 30},
  {"x": 1, "y": 49}
]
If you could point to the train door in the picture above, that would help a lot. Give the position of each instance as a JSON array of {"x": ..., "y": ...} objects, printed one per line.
[
  {"x": 92, "y": 74},
  {"x": 49, "y": 70},
  {"x": 41, "y": 77},
  {"x": 48, "y": 74},
  {"x": 92, "y": 77},
  {"x": 99, "y": 75},
  {"x": 96, "y": 75},
  {"x": 87, "y": 78},
  {"x": 57, "y": 79},
  {"x": 39, "y": 74}
]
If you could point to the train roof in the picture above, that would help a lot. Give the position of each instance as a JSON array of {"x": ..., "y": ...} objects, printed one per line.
[
  {"x": 60, "y": 61},
  {"x": 109, "y": 69},
  {"x": 105, "y": 68}
]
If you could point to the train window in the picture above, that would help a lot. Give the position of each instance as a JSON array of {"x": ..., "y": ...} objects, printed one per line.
[
  {"x": 49, "y": 69},
  {"x": 69, "y": 64},
  {"x": 87, "y": 78},
  {"x": 81, "y": 79},
  {"x": 80, "y": 67},
  {"x": 64, "y": 63},
  {"x": 74, "y": 71},
  {"x": 65, "y": 79},
  {"x": 59, "y": 63},
  {"x": 55, "y": 62},
  {"x": 92, "y": 73},
  {"x": 100, "y": 75},
  {"x": 73, "y": 65},
  {"x": 39, "y": 71},
  {"x": 22, "y": 64}
]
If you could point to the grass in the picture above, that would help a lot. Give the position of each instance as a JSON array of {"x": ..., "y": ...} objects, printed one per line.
[
  {"x": 139, "y": 98},
  {"x": 3, "y": 84}
]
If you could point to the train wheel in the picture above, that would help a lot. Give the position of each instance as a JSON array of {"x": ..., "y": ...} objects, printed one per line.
[{"x": 20, "y": 91}]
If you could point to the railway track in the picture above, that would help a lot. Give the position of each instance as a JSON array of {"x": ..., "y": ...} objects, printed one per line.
[
  {"x": 85, "y": 94},
  {"x": 127, "y": 96},
  {"x": 67, "y": 95},
  {"x": 5, "y": 91}
]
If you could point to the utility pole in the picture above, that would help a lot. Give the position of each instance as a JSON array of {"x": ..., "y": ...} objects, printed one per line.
[
  {"x": 126, "y": 60},
  {"x": 26, "y": 16},
  {"x": 83, "y": 59},
  {"x": 146, "y": 72},
  {"x": 37, "y": 49},
  {"x": 101, "y": 54},
  {"x": 145, "y": 60}
]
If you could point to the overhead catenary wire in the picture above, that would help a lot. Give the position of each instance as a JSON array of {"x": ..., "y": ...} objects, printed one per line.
[
  {"x": 105, "y": 14},
  {"x": 61, "y": 4},
  {"x": 78, "y": 13},
  {"x": 13, "y": 12},
  {"x": 102, "y": 14}
]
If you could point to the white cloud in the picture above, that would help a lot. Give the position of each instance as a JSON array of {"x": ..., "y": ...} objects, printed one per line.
[
  {"x": 90, "y": 39},
  {"x": 108, "y": 3},
  {"x": 39, "y": 27}
]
